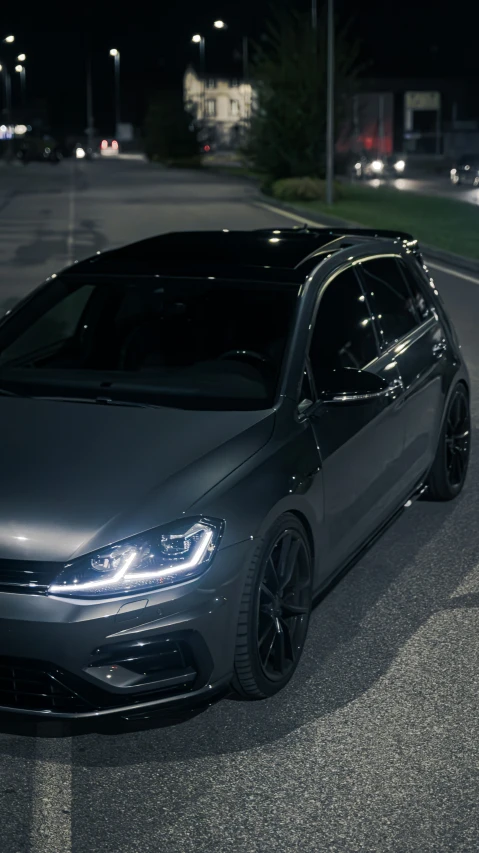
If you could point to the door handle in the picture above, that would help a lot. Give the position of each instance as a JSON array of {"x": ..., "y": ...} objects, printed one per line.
[{"x": 439, "y": 349}]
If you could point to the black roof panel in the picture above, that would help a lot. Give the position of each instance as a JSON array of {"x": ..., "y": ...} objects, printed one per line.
[{"x": 248, "y": 254}]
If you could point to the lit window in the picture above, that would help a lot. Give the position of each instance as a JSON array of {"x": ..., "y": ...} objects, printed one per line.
[
  {"x": 234, "y": 83},
  {"x": 211, "y": 107},
  {"x": 211, "y": 84},
  {"x": 234, "y": 108}
]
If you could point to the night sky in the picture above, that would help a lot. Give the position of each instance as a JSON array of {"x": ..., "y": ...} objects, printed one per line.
[{"x": 154, "y": 40}]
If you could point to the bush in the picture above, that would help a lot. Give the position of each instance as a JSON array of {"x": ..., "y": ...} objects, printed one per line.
[{"x": 302, "y": 189}]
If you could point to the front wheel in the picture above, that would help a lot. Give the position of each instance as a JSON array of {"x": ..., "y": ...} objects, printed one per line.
[
  {"x": 448, "y": 473},
  {"x": 275, "y": 611}
]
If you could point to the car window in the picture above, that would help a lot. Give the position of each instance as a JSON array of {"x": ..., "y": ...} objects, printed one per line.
[
  {"x": 387, "y": 291},
  {"x": 421, "y": 299},
  {"x": 54, "y": 327},
  {"x": 207, "y": 343},
  {"x": 343, "y": 334}
]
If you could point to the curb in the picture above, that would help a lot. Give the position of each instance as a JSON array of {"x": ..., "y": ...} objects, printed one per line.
[{"x": 467, "y": 264}]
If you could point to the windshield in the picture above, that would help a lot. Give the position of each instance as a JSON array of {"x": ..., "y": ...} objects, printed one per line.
[{"x": 181, "y": 342}]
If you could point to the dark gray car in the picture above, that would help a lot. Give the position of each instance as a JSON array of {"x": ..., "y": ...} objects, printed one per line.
[
  {"x": 199, "y": 432},
  {"x": 466, "y": 170}
]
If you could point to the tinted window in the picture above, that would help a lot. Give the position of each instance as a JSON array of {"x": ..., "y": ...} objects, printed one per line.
[
  {"x": 193, "y": 343},
  {"x": 51, "y": 328},
  {"x": 388, "y": 293},
  {"x": 343, "y": 333},
  {"x": 420, "y": 296}
]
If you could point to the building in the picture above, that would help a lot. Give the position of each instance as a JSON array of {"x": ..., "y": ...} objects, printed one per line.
[
  {"x": 221, "y": 107},
  {"x": 419, "y": 117}
]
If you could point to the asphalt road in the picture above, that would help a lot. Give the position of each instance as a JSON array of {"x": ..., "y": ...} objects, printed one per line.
[{"x": 374, "y": 746}]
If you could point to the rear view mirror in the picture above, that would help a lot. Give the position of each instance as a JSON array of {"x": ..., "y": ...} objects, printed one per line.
[{"x": 349, "y": 385}]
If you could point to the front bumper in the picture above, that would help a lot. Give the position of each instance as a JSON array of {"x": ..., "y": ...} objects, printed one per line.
[{"x": 171, "y": 648}]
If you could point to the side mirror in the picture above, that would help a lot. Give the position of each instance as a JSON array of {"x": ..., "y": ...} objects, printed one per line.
[{"x": 349, "y": 385}]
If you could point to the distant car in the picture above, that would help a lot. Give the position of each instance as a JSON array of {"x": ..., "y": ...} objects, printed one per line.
[
  {"x": 466, "y": 170},
  {"x": 199, "y": 432},
  {"x": 109, "y": 148},
  {"x": 35, "y": 150},
  {"x": 367, "y": 166},
  {"x": 83, "y": 152}
]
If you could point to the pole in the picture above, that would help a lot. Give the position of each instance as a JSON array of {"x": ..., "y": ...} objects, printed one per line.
[
  {"x": 117, "y": 94},
  {"x": 23, "y": 82},
  {"x": 203, "y": 75},
  {"x": 8, "y": 104},
  {"x": 89, "y": 102},
  {"x": 330, "y": 107},
  {"x": 438, "y": 129},
  {"x": 381, "y": 126},
  {"x": 246, "y": 76},
  {"x": 314, "y": 14}
]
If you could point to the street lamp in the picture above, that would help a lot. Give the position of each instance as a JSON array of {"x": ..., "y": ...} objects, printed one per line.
[
  {"x": 197, "y": 39},
  {"x": 116, "y": 56},
  {"x": 9, "y": 39},
  {"x": 21, "y": 70},
  {"x": 221, "y": 25},
  {"x": 21, "y": 57},
  {"x": 330, "y": 106}
]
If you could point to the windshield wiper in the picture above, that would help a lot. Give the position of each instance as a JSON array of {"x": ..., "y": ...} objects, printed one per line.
[{"x": 100, "y": 401}]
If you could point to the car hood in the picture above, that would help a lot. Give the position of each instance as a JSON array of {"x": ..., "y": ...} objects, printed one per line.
[{"x": 76, "y": 477}]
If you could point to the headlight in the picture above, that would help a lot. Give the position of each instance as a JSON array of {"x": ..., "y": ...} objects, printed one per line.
[
  {"x": 377, "y": 165},
  {"x": 80, "y": 153},
  {"x": 453, "y": 171},
  {"x": 400, "y": 165},
  {"x": 158, "y": 558}
]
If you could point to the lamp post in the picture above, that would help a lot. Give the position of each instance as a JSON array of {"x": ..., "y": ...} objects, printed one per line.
[
  {"x": 330, "y": 107},
  {"x": 8, "y": 96},
  {"x": 20, "y": 69},
  {"x": 200, "y": 40},
  {"x": 221, "y": 25},
  {"x": 116, "y": 56}
]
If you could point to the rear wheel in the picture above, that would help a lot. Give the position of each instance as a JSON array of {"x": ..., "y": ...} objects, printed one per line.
[
  {"x": 448, "y": 473},
  {"x": 275, "y": 610}
]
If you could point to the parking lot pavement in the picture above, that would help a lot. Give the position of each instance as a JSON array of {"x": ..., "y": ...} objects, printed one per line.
[{"x": 374, "y": 746}]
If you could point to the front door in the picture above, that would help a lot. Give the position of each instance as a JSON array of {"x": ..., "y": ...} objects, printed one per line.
[{"x": 361, "y": 444}]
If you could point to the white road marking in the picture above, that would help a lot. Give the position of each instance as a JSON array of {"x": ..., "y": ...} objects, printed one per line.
[
  {"x": 304, "y": 221},
  {"x": 451, "y": 271},
  {"x": 51, "y": 823},
  {"x": 71, "y": 219},
  {"x": 288, "y": 215}
]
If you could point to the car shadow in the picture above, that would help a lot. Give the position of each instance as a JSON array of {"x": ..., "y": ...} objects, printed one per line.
[{"x": 356, "y": 633}]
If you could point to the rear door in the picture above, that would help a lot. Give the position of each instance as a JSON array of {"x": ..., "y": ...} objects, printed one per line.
[{"x": 411, "y": 334}]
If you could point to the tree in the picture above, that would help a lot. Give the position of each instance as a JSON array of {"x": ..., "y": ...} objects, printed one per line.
[
  {"x": 288, "y": 129},
  {"x": 169, "y": 133}
]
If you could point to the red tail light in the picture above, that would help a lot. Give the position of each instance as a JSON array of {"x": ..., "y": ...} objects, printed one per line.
[
  {"x": 114, "y": 144},
  {"x": 207, "y": 148},
  {"x": 104, "y": 144}
]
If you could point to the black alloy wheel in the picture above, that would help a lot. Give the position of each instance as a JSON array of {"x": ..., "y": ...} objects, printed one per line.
[
  {"x": 449, "y": 470},
  {"x": 275, "y": 611},
  {"x": 458, "y": 429}
]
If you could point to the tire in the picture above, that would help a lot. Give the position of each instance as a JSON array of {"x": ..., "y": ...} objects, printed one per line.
[
  {"x": 274, "y": 612},
  {"x": 448, "y": 473}
]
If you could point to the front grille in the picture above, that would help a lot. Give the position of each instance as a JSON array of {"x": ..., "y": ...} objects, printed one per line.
[
  {"x": 30, "y": 685},
  {"x": 27, "y": 575}
]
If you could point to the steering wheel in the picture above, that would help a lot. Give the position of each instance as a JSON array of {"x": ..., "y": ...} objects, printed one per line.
[{"x": 245, "y": 355}]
